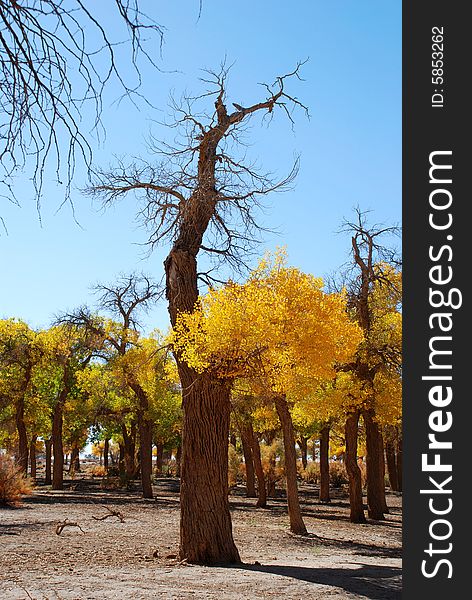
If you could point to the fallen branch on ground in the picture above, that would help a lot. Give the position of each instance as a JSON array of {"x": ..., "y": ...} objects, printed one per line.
[
  {"x": 112, "y": 513},
  {"x": 67, "y": 523}
]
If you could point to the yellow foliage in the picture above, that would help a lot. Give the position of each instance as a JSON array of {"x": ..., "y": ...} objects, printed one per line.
[{"x": 280, "y": 330}]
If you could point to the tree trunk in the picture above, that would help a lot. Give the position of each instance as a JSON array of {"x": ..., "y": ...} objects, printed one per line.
[
  {"x": 74, "y": 467},
  {"x": 375, "y": 477},
  {"x": 382, "y": 471},
  {"x": 159, "y": 456},
  {"x": 205, "y": 523},
  {"x": 129, "y": 445},
  {"x": 296, "y": 521},
  {"x": 145, "y": 440},
  {"x": 391, "y": 461},
  {"x": 205, "y": 526},
  {"x": 261, "y": 483},
  {"x": 121, "y": 463},
  {"x": 248, "y": 462},
  {"x": 33, "y": 456},
  {"x": 232, "y": 440},
  {"x": 324, "y": 464},
  {"x": 400, "y": 463},
  {"x": 48, "y": 452},
  {"x": 145, "y": 455},
  {"x": 354, "y": 473},
  {"x": 303, "y": 443},
  {"x": 178, "y": 460},
  {"x": 57, "y": 446},
  {"x": 106, "y": 453},
  {"x": 22, "y": 456},
  {"x": 313, "y": 451}
]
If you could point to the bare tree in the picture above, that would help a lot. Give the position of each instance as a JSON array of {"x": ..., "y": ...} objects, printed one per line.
[
  {"x": 201, "y": 197},
  {"x": 56, "y": 58}
]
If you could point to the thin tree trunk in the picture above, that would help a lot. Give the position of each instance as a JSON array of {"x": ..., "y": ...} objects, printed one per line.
[
  {"x": 178, "y": 460},
  {"x": 313, "y": 451},
  {"x": 295, "y": 515},
  {"x": 382, "y": 471},
  {"x": 129, "y": 444},
  {"x": 74, "y": 467},
  {"x": 145, "y": 455},
  {"x": 354, "y": 473},
  {"x": 121, "y": 463},
  {"x": 261, "y": 483},
  {"x": 22, "y": 456},
  {"x": 303, "y": 443},
  {"x": 106, "y": 453},
  {"x": 33, "y": 456},
  {"x": 391, "y": 462},
  {"x": 159, "y": 456},
  {"x": 48, "y": 452},
  {"x": 375, "y": 481},
  {"x": 400, "y": 463},
  {"x": 205, "y": 526},
  {"x": 248, "y": 462},
  {"x": 145, "y": 440},
  {"x": 232, "y": 440},
  {"x": 324, "y": 464}
]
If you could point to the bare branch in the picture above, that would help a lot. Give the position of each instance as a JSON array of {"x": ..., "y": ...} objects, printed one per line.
[
  {"x": 202, "y": 193},
  {"x": 56, "y": 58}
]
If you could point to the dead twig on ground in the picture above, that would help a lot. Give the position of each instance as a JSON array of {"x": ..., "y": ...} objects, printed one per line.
[
  {"x": 66, "y": 523},
  {"x": 112, "y": 513}
]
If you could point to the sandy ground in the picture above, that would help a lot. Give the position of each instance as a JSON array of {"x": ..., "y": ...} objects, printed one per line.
[{"x": 137, "y": 558}]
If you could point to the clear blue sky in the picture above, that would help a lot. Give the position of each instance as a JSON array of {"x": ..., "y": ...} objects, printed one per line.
[{"x": 350, "y": 148}]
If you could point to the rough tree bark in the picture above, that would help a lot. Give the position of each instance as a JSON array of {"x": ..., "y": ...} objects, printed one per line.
[
  {"x": 205, "y": 525},
  {"x": 324, "y": 464},
  {"x": 375, "y": 475},
  {"x": 354, "y": 473},
  {"x": 294, "y": 512},
  {"x": 245, "y": 433},
  {"x": 206, "y": 535}
]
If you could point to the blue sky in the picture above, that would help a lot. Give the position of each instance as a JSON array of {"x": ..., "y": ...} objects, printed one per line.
[{"x": 350, "y": 148}]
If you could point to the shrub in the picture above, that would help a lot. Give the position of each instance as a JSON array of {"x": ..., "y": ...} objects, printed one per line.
[
  {"x": 337, "y": 474},
  {"x": 312, "y": 472},
  {"x": 98, "y": 471},
  {"x": 13, "y": 484},
  {"x": 234, "y": 462}
]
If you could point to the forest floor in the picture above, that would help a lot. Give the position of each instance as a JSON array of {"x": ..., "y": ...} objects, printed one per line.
[{"x": 137, "y": 558}]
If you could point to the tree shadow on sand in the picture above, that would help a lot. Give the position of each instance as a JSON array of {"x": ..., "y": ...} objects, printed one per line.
[{"x": 376, "y": 582}]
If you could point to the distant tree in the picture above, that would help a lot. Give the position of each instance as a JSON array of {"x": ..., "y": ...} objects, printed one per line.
[{"x": 119, "y": 346}]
